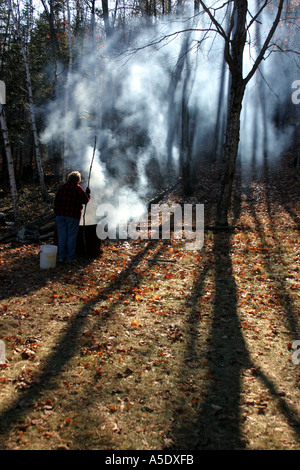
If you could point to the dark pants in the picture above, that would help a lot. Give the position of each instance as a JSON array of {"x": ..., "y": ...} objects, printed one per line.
[{"x": 67, "y": 229}]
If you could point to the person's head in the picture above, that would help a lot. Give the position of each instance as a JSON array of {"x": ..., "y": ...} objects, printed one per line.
[{"x": 74, "y": 176}]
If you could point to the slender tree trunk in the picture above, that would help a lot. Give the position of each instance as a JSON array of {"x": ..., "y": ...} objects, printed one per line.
[
  {"x": 54, "y": 40},
  {"x": 10, "y": 164},
  {"x": 172, "y": 115},
  {"x": 221, "y": 112},
  {"x": 237, "y": 89},
  {"x": 93, "y": 23},
  {"x": 67, "y": 86},
  {"x": 56, "y": 53},
  {"x": 230, "y": 150},
  {"x": 34, "y": 127},
  {"x": 108, "y": 29},
  {"x": 31, "y": 108},
  {"x": 70, "y": 38},
  {"x": 185, "y": 150},
  {"x": 186, "y": 134},
  {"x": 179, "y": 8},
  {"x": 217, "y": 149}
]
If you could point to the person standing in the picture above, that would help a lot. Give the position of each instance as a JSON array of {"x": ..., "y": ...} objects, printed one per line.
[{"x": 68, "y": 203}]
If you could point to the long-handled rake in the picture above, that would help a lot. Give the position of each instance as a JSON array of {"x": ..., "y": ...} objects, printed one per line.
[{"x": 88, "y": 185}]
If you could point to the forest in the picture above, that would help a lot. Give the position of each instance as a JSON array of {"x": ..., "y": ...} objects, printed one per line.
[{"x": 151, "y": 342}]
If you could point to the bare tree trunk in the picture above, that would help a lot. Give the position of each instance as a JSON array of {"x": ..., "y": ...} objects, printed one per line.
[
  {"x": 31, "y": 107},
  {"x": 56, "y": 53},
  {"x": 217, "y": 148},
  {"x": 108, "y": 30},
  {"x": 34, "y": 127},
  {"x": 10, "y": 164},
  {"x": 235, "y": 41},
  {"x": 185, "y": 150},
  {"x": 237, "y": 89},
  {"x": 67, "y": 86},
  {"x": 54, "y": 40},
  {"x": 70, "y": 38},
  {"x": 230, "y": 151},
  {"x": 93, "y": 23},
  {"x": 234, "y": 50},
  {"x": 186, "y": 134},
  {"x": 172, "y": 115},
  {"x": 179, "y": 8}
]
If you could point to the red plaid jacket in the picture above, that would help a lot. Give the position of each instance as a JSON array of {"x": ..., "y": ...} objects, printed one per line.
[{"x": 69, "y": 200}]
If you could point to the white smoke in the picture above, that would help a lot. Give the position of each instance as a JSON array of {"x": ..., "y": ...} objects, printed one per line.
[{"x": 124, "y": 100}]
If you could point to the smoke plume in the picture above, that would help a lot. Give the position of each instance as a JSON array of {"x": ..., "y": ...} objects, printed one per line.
[{"x": 131, "y": 100}]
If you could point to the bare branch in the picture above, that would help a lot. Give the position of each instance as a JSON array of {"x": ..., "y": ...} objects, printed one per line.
[
  {"x": 266, "y": 43},
  {"x": 227, "y": 54},
  {"x": 219, "y": 28},
  {"x": 254, "y": 18},
  {"x": 281, "y": 49},
  {"x": 157, "y": 41}
]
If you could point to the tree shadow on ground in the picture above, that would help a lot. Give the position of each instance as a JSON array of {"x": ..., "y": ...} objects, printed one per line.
[
  {"x": 272, "y": 255},
  {"x": 220, "y": 422},
  {"x": 277, "y": 271},
  {"x": 67, "y": 347},
  {"x": 23, "y": 274}
]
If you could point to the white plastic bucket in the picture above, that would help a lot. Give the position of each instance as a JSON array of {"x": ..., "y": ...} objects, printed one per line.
[{"x": 48, "y": 255}]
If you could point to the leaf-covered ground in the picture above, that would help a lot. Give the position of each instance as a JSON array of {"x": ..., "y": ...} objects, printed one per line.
[{"x": 151, "y": 346}]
